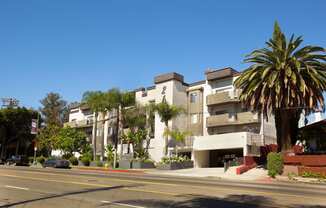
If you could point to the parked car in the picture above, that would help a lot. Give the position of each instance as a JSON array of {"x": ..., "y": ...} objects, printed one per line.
[
  {"x": 56, "y": 163},
  {"x": 20, "y": 160}
]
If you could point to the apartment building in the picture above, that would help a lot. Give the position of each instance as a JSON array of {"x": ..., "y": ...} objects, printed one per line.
[{"x": 220, "y": 125}]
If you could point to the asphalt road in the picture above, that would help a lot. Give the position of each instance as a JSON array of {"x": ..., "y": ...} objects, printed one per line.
[{"x": 29, "y": 187}]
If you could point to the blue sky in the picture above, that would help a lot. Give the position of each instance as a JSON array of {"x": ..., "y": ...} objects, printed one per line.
[{"x": 73, "y": 46}]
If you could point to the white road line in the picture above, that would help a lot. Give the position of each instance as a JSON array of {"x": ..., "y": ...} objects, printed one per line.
[
  {"x": 122, "y": 204},
  {"x": 16, "y": 187}
]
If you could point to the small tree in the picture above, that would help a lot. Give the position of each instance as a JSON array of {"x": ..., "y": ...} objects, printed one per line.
[
  {"x": 167, "y": 112},
  {"x": 109, "y": 150},
  {"x": 71, "y": 140},
  {"x": 178, "y": 136},
  {"x": 47, "y": 138}
]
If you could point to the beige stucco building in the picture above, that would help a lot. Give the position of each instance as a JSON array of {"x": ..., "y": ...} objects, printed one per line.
[{"x": 220, "y": 125}]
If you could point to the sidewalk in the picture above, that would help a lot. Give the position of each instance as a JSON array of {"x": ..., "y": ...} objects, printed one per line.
[{"x": 255, "y": 174}]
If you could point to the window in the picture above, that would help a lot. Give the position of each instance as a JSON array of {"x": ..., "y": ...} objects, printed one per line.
[
  {"x": 194, "y": 118},
  {"x": 193, "y": 97}
]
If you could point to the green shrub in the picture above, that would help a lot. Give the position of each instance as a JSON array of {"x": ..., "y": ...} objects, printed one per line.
[
  {"x": 30, "y": 160},
  {"x": 40, "y": 159},
  {"x": 274, "y": 164},
  {"x": 99, "y": 164},
  {"x": 67, "y": 156},
  {"x": 73, "y": 160},
  {"x": 174, "y": 159},
  {"x": 86, "y": 161}
]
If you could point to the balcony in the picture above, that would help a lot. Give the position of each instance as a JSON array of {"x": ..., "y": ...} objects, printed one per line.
[
  {"x": 225, "y": 119},
  {"x": 222, "y": 97},
  {"x": 80, "y": 124}
]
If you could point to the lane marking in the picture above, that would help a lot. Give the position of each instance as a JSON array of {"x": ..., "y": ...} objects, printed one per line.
[
  {"x": 121, "y": 204},
  {"x": 165, "y": 193},
  {"x": 110, "y": 179},
  {"x": 17, "y": 187},
  {"x": 89, "y": 184}
]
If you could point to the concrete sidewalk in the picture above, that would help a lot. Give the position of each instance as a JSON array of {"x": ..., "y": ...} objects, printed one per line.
[{"x": 256, "y": 174}]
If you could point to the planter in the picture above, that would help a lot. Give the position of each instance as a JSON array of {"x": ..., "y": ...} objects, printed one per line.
[
  {"x": 142, "y": 165},
  {"x": 176, "y": 165},
  {"x": 125, "y": 164},
  {"x": 306, "y": 160}
]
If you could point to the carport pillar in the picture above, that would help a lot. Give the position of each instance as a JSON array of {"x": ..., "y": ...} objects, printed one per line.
[{"x": 201, "y": 159}]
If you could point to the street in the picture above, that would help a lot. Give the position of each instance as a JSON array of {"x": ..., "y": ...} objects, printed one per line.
[{"x": 28, "y": 187}]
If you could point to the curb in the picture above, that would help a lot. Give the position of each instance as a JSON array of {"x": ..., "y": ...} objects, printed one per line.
[{"x": 108, "y": 170}]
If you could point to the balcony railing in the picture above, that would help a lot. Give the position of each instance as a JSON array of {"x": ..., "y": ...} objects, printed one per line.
[
  {"x": 225, "y": 119},
  {"x": 80, "y": 124},
  {"x": 222, "y": 97}
]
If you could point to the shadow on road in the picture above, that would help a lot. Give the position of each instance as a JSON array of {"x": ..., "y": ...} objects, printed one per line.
[
  {"x": 65, "y": 194},
  {"x": 199, "y": 201}
]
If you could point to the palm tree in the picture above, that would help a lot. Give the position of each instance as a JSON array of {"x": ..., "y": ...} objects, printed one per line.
[
  {"x": 284, "y": 79},
  {"x": 98, "y": 103},
  {"x": 167, "y": 112},
  {"x": 178, "y": 136},
  {"x": 119, "y": 101}
]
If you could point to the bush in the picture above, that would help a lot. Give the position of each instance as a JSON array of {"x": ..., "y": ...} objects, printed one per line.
[
  {"x": 40, "y": 160},
  {"x": 30, "y": 160},
  {"x": 86, "y": 161},
  {"x": 274, "y": 164},
  {"x": 99, "y": 163},
  {"x": 73, "y": 160},
  {"x": 174, "y": 159},
  {"x": 67, "y": 156}
]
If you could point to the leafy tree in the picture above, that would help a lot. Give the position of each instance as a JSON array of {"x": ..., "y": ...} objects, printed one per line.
[
  {"x": 284, "y": 79},
  {"x": 15, "y": 128},
  {"x": 167, "y": 112},
  {"x": 70, "y": 140},
  {"x": 53, "y": 109},
  {"x": 47, "y": 139},
  {"x": 178, "y": 136}
]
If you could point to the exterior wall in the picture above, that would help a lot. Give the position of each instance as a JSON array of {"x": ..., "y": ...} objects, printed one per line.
[
  {"x": 222, "y": 141},
  {"x": 195, "y": 109}
]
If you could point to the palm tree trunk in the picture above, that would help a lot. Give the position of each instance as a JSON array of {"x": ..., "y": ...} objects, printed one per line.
[
  {"x": 285, "y": 137},
  {"x": 166, "y": 141},
  {"x": 103, "y": 138},
  {"x": 17, "y": 147},
  {"x": 117, "y": 138},
  {"x": 94, "y": 135}
]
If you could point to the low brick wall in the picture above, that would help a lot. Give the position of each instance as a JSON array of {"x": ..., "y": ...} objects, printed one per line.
[
  {"x": 244, "y": 168},
  {"x": 305, "y": 163},
  {"x": 306, "y": 160},
  {"x": 316, "y": 170}
]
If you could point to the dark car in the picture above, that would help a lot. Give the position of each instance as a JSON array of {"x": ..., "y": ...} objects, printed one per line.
[
  {"x": 56, "y": 163},
  {"x": 18, "y": 160}
]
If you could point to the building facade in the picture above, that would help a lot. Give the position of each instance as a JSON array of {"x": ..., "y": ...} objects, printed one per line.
[{"x": 219, "y": 124}]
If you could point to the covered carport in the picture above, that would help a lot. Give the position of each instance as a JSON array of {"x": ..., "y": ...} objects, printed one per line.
[{"x": 210, "y": 151}]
